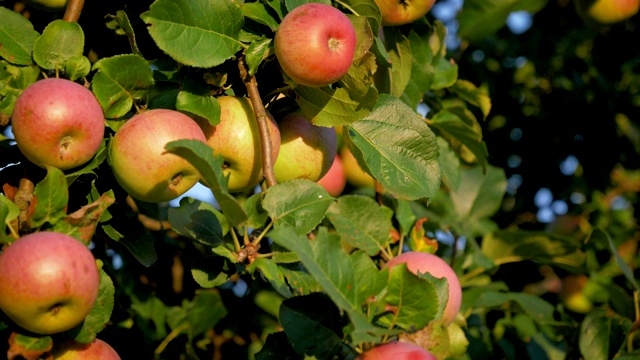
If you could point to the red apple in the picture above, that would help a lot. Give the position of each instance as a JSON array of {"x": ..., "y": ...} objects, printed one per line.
[
  {"x": 48, "y": 282},
  {"x": 140, "y": 163},
  {"x": 237, "y": 139},
  {"x": 396, "y": 351},
  {"x": 438, "y": 268},
  {"x": 335, "y": 179},
  {"x": 95, "y": 350},
  {"x": 306, "y": 150},
  {"x": 315, "y": 44},
  {"x": 606, "y": 12},
  {"x": 400, "y": 12},
  {"x": 57, "y": 122}
]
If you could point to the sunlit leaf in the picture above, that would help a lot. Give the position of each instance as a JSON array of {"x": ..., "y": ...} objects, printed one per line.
[{"x": 17, "y": 37}]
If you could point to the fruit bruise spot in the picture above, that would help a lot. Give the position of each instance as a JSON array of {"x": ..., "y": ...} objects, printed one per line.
[
  {"x": 65, "y": 142},
  {"x": 175, "y": 180}
]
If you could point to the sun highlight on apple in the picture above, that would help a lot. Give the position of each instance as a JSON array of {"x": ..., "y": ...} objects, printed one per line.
[
  {"x": 400, "y": 12},
  {"x": 315, "y": 44}
]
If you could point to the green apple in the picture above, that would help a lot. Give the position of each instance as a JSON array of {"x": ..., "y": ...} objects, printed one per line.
[
  {"x": 48, "y": 5},
  {"x": 48, "y": 282},
  {"x": 237, "y": 139},
  {"x": 315, "y": 44},
  {"x": 428, "y": 263},
  {"x": 57, "y": 122},
  {"x": 400, "y": 12},
  {"x": 606, "y": 12},
  {"x": 140, "y": 162},
  {"x": 306, "y": 150},
  {"x": 95, "y": 350},
  {"x": 396, "y": 351},
  {"x": 334, "y": 181},
  {"x": 353, "y": 172}
]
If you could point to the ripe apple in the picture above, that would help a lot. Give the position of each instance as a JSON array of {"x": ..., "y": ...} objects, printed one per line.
[
  {"x": 57, "y": 122},
  {"x": 334, "y": 180},
  {"x": 315, "y": 44},
  {"x": 95, "y": 350},
  {"x": 237, "y": 139},
  {"x": 438, "y": 268},
  {"x": 48, "y": 282},
  {"x": 606, "y": 12},
  {"x": 400, "y": 12},
  {"x": 354, "y": 173},
  {"x": 572, "y": 293},
  {"x": 306, "y": 150},
  {"x": 396, "y": 351},
  {"x": 48, "y": 5},
  {"x": 140, "y": 163}
]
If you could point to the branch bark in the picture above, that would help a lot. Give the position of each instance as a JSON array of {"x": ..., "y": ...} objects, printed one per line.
[
  {"x": 73, "y": 10},
  {"x": 24, "y": 197},
  {"x": 263, "y": 125}
]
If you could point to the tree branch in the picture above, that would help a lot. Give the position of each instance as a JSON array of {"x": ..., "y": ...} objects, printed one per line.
[
  {"x": 73, "y": 10},
  {"x": 263, "y": 125},
  {"x": 24, "y": 197}
]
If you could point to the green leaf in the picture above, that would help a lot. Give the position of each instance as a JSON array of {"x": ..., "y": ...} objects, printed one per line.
[
  {"x": 277, "y": 347},
  {"x": 313, "y": 325},
  {"x": 257, "y": 214},
  {"x": 8, "y": 213},
  {"x": 204, "y": 312},
  {"x": 325, "y": 106},
  {"x": 60, "y": 41},
  {"x": 273, "y": 273},
  {"x": 299, "y": 204},
  {"x": 151, "y": 309},
  {"x": 423, "y": 71},
  {"x": 212, "y": 271},
  {"x": 198, "y": 221},
  {"x": 122, "y": 25},
  {"x": 467, "y": 91},
  {"x": 77, "y": 67},
  {"x": 449, "y": 163},
  {"x": 406, "y": 164},
  {"x": 28, "y": 347},
  {"x": 257, "y": 51},
  {"x": 203, "y": 106},
  {"x": 119, "y": 81},
  {"x": 199, "y": 33},
  {"x": 446, "y": 74},
  {"x": 512, "y": 246},
  {"x": 17, "y": 37},
  {"x": 401, "y": 59},
  {"x": 301, "y": 282},
  {"x": 14, "y": 80},
  {"x": 139, "y": 245},
  {"x": 601, "y": 334},
  {"x": 626, "y": 270},
  {"x": 413, "y": 302},
  {"x": 100, "y": 312},
  {"x": 200, "y": 155},
  {"x": 257, "y": 11},
  {"x": 361, "y": 223},
  {"x": 51, "y": 198},
  {"x": 482, "y": 18},
  {"x": 339, "y": 274},
  {"x": 366, "y": 9}
]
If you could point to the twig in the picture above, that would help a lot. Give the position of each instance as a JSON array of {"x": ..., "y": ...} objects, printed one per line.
[
  {"x": 263, "y": 126},
  {"x": 73, "y": 10}
]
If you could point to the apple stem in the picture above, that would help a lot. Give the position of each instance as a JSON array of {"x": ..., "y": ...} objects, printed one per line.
[
  {"x": 261, "y": 117},
  {"x": 73, "y": 10}
]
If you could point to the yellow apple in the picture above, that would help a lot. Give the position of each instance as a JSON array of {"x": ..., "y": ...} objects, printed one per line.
[
  {"x": 354, "y": 173},
  {"x": 606, "y": 12},
  {"x": 400, "y": 12}
]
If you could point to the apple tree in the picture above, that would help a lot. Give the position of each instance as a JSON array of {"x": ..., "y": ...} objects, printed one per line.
[{"x": 209, "y": 207}]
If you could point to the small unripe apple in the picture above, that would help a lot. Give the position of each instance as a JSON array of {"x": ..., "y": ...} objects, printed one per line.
[
  {"x": 49, "y": 282},
  {"x": 315, "y": 44},
  {"x": 95, "y": 350},
  {"x": 48, "y": 5},
  {"x": 306, "y": 150},
  {"x": 57, "y": 122},
  {"x": 396, "y": 351},
  {"x": 438, "y": 268},
  {"x": 140, "y": 163},
  {"x": 599, "y": 13},
  {"x": 354, "y": 173},
  {"x": 400, "y": 12},
  {"x": 237, "y": 139},
  {"x": 334, "y": 181}
]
